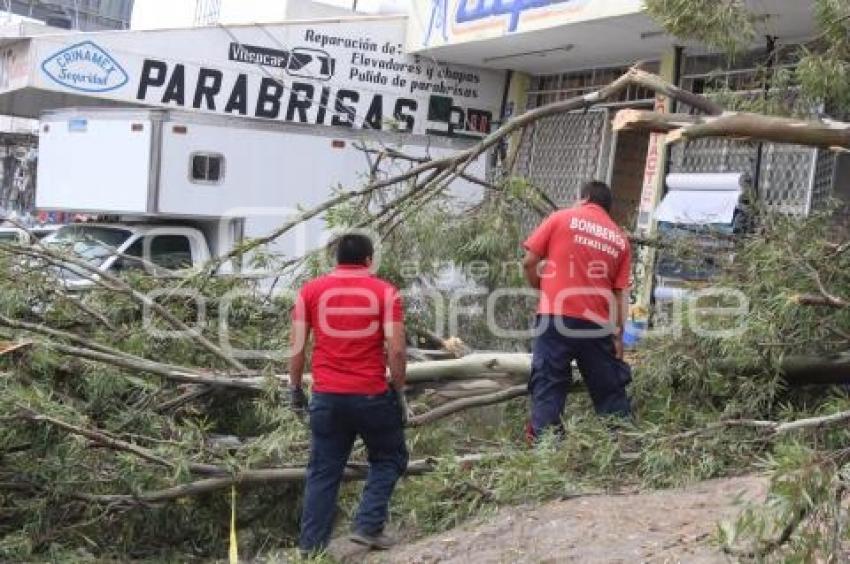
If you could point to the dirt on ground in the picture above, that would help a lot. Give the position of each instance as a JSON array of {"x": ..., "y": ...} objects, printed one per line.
[{"x": 660, "y": 526}]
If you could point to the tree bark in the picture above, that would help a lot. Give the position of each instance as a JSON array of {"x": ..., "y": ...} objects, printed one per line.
[
  {"x": 101, "y": 438},
  {"x": 826, "y": 134},
  {"x": 478, "y": 365},
  {"x": 257, "y": 477},
  {"x": 467, "y": 403},
  {"x": 653, "y": 122}
]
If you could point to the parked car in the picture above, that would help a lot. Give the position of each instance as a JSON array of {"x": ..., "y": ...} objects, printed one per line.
[
  {"x": 111, "y": 248},
  {"x": 19, "y": 235}
]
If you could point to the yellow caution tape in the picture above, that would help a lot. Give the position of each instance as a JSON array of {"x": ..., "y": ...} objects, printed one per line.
[{"x": 234, "y": 547}]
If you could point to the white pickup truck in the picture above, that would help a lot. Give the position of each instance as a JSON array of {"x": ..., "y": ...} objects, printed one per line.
[
  {"x": 17, "y": 235},
  {"x": 108, "y": 248}
]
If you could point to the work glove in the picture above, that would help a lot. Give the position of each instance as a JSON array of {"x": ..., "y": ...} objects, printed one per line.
[
  {"x": 406, "y": 414},
  {"x": 298, "y": 401}
]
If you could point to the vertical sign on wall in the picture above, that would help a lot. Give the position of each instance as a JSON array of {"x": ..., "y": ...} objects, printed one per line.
[{"x": 653, "y": 187}]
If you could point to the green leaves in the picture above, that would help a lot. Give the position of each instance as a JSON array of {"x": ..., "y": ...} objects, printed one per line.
[
  {"x": 825, "y": 77},
  {"x": 800, "y": 79},
  {"x": 726, "y": 24}
]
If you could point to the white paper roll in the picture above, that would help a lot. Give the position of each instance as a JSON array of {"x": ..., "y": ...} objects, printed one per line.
[
  {"x": 701, "y": 199},
  {"x": 715, "y": 182}
]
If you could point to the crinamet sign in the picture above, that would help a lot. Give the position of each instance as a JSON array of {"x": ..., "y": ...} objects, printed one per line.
[{"x": 436, "y": 23}]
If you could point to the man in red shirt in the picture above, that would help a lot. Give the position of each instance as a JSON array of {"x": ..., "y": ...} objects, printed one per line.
[
  {"x": 580, "y": 260},
  {"x": 358, "y": 331}
]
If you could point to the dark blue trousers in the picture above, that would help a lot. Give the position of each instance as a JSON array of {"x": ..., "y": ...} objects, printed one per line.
[
  {"x": 560, "y": 340},
  {"x": 335, "y": 421}
]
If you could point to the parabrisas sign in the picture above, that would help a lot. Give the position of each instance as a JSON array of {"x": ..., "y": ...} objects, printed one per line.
[
  {"x": 474, "y": 15},
  {"x": 85, "y": 67}
]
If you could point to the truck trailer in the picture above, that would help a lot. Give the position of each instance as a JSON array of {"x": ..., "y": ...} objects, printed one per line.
[
  {"x": 186, "y": 187},
  {"x": 227, "y": 131}
]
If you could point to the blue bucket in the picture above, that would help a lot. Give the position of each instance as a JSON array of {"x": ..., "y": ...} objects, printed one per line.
[{"x": 633, "y": 333}]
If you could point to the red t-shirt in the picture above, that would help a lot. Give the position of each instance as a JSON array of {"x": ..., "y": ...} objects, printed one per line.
[
  {"x": 587, "y": 256},
  {"x": 346, "y": 310}
]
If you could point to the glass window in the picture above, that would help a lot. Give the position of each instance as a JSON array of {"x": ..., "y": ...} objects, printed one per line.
[
  {"x": 207, "y": 167},
  {"x": 199, "y": 167},
  {"x": 173, "y": 252},
  {"x": 90, "y": 242},
  {"x": 214, "y": 169},
  {"x": 124, "y": 264}
]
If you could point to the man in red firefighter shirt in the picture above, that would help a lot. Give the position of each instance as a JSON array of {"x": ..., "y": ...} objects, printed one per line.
[
  {"x": 358, "y": 331},
  {"x": 580, "y": 260}
]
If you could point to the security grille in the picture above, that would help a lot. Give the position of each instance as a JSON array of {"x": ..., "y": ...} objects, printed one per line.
[
  {"x": 792, "y": 179},
  {"x": 713, "y": 155},
  {"x": 786, "y": 174},
  {"x": 554, "y": 87},
  {"x": 207, "y": 12},
  {"x": 17, "y": 176},
  {"x": 822, "y": 190},
  {"x": 559, "y": 153}
]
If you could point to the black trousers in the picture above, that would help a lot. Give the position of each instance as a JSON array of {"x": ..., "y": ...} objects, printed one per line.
[
  {"x": 335, "y": 422},
  {"x": 559, "y": 341}
]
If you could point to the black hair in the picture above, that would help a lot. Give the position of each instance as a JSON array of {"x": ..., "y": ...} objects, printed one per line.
[
  {"x": 597, "y": 192},
  {"x": 354, "y": 248}
]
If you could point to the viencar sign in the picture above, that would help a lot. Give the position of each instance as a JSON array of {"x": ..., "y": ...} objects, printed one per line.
[
  {"x": 352, "y": 74},
  {"x": 85, "y": 67}
]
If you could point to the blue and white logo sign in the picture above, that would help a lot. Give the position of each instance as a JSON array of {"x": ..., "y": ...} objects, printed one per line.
[
  {"x": 85, "y": 67},
  {"x": 464, "y": 19}
]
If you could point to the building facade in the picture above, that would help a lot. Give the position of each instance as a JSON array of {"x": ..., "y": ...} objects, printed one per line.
[
  {"x": 18, "y": 137},
  {"x": 80, "y": 15},
  {"x": 559, "y": 49}
]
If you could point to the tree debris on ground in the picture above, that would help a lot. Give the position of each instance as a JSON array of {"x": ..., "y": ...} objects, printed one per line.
[{"x": 122, "y": 440}]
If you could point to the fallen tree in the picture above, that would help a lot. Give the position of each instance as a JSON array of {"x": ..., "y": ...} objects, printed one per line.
[{"x": 128, "y": 438}]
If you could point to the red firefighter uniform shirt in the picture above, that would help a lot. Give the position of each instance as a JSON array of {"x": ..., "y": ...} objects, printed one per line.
[
  {"x": 586, "y": 257},
  {"x": 347, "y": 310}
]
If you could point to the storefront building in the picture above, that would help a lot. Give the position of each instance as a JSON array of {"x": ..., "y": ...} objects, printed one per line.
[{"x": 558, "y": 49}]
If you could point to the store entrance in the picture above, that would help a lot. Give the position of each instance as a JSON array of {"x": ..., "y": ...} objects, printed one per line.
[{"x": 627, "y": 169}]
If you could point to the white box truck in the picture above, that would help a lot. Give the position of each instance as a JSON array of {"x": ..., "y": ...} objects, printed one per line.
[{"x": 184, "y": 187}]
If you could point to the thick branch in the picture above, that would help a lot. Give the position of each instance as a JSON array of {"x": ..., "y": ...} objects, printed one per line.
[
  {"x": 820, "y": 300},
  {"x": 258, "y": 477},
  {"x": 176, "y": 374},
  {"x": 48, "y": 331},
  {"x": 467, "y": 403},
  {"x": 8, "y": 348},
  {"x": 824, "y": 134},
  {"x": 770, "y": 429},
  {"x": 103, "y": 439},
  {"x": 827, "y": 134},
  {"x": 450, "y": 168},
  {"x": 660, "y": 86},
  {"x": 477, "y": 365},
  {"x": 655, "y": 122}
]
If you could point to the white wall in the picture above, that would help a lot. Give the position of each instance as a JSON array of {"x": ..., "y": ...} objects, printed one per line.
[
  {"x": 235, "y": 12},
  {"x": 304, "y": 10},
  {"x": 162, "y": 14}
]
